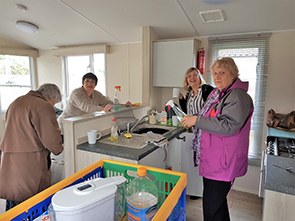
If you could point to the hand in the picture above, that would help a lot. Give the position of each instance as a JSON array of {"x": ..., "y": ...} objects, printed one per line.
[
  {"x": 128, "y": 103},
  {"x": 107, "y": 108},
  {"x": 189, "y": 121},
  {"x": 180, "y": 96}
]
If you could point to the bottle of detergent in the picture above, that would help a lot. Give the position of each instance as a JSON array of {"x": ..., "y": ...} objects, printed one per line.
[
  {"x": 114, "y": 130},
  {"x": 141, "y": 197}
]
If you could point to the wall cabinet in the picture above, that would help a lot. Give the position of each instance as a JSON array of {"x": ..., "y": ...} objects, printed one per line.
[{"x": 171, "y": 59}]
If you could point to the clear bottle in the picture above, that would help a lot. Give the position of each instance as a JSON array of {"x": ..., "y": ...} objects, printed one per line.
[
  {"x": 116, "y": 96},
  {"x": 117, "y": 105},
  {"x": 141, "y": 197},
  {"x": 179, "y": 113},
  {"x": 114, "y": 130},
  {"x": 163, "y": 117}
]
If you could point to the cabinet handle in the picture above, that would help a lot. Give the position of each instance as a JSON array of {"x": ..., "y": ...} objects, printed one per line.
[{"x": 181, "y": 138}]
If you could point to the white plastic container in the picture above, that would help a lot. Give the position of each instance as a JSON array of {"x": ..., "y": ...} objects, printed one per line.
[{"x": 91, "y": 200}]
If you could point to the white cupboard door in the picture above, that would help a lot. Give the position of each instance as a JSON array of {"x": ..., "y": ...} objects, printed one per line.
[
  {"x": 157, "y": 158},
  {"x": 170, "y": 61},
  {"x": 194, "y": 181},
  {"x": 174, "y": 154}
]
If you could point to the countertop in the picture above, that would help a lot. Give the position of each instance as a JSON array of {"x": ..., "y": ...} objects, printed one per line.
[
  {"x": 125, "y": 152},
  {"x": 280, "y": 174}
]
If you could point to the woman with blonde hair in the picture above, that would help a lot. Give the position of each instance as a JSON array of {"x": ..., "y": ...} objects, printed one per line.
[{"x": 196, "y": 90}]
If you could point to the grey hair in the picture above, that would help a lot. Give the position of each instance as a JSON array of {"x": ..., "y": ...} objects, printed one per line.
[{"x": 50, "y": 91}]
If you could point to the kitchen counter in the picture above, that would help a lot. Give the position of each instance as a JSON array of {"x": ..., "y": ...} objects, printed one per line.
[
  {"x": 280, "y": 174},
  {"x": 279, "y": 169},
  {"x": 125, "y": 152}
]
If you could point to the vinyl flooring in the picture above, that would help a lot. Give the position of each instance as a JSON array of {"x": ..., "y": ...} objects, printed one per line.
[{"x": 242, "y": 207}]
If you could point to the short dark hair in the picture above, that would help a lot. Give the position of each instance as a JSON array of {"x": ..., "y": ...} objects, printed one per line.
[{"x": 89, "y": 76}]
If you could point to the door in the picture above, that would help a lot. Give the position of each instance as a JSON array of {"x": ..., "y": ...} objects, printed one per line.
[{"x": 194, "y": 181}]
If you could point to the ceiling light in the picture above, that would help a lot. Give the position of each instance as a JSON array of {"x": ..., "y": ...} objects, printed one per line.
[
  {"x": 27, "y": 26},
  {"x": 21, "y": 7},
  {"x": 212, "y": 16}
]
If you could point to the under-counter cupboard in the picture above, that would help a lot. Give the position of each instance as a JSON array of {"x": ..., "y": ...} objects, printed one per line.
[
  {"x": 180, "y": 158},
  {"x": 279, "y": 176}
]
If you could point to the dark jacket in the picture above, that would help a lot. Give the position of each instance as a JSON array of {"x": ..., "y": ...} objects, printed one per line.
[{"x": 206, "y": 90}]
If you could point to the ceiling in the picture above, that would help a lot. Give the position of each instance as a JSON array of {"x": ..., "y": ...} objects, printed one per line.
[{"x": 83, "y": 22}]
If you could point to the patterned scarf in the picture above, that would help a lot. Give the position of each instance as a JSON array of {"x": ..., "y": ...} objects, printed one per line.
[{"x": 197, "y": 132}]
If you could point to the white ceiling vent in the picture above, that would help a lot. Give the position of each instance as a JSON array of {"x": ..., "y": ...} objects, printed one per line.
[{"x": 212, "y": 16}]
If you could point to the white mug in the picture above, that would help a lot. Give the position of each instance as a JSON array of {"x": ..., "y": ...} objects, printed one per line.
[
  {"x": 93, "y": 136},
  {"x": 174, "y": 120}
]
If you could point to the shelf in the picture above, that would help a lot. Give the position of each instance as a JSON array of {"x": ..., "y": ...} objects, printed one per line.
[{"x": 280, "y": 133}]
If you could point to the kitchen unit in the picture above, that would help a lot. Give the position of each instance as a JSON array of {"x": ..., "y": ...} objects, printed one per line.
[
  {"x": 279, "y": 176},
  {"x": 171, "y": 59},
  {"x": 150, "y": 155},
  {"x": 180, "y": 158},
  {"x": 79, "y": 154}
]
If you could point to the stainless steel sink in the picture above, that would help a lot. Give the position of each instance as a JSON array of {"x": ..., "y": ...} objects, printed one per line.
[
  {"x": 157, "y": 129},
  {"x": 140, "y": 136},
  {"x": 136, "y": 141}
]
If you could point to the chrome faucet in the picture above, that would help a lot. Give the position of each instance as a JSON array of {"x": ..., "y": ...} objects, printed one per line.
[{"x": 137, "y": 122}]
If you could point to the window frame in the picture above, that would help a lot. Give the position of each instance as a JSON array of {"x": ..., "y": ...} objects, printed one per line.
[
  {"x": 66, "y": 77},
  {"x": 31, "y": 73},
  {"x": 260, "y": 41}
]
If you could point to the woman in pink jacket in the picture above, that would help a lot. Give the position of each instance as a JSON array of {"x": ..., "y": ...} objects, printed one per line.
[{"x": 221, "y": 138}]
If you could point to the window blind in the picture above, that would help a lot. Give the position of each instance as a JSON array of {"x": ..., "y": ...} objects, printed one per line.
[{"x": 251, "y": 45}]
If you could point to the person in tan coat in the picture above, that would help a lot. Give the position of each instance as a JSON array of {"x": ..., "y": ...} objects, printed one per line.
[{"x": 31, "y": 133}]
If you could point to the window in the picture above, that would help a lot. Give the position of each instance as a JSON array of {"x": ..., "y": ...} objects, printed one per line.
[
  {"x": 15, "y": 78},
  {"x": 77, "y": 66},
  {"x": 250, "y": 53}
]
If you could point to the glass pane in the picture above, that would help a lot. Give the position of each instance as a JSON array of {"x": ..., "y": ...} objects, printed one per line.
[
  {"x": 99, "y": 70},
  {"x": 247, "y": 60},
  {"x": 14, "y": 92},
  {"x": 15, "y": 70},
  {"x": 15, "y": 78},
  {"x": 77, "y": 67}
]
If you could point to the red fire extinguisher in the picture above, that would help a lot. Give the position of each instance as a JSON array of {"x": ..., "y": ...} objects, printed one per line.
[{"x": 201, "y": 60}]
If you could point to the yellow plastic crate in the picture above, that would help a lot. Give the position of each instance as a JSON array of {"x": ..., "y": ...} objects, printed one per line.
[{"x": 171, "y": 186}]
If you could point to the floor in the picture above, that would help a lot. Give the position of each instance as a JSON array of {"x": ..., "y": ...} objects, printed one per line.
[{"x": 243, "y": 207}]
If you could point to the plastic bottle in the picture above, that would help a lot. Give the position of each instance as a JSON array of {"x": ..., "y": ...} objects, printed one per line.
[
  {"x": 141, "y": 197},
  {"x": 116, "y": 96},
  {"x": 179, "y": 113},
  {"x": 114, "y": 130},
  {"x": 169, "y": 112},
  {"x": 117, "y": 105},
  {"x": 163, "y": 117}
]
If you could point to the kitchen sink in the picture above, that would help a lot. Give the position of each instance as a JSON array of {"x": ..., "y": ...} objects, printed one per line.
[
  {"x": 140, "y": 136},
  {"x": 154, "y": 130},
  {"x": 157, "y": 129},
  {"x": 137, "y": 141}
]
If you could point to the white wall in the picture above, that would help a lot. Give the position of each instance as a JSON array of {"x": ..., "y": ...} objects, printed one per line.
[
  {"x": 124, "y": 68},
  {"x": 49, "y": 69}
]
